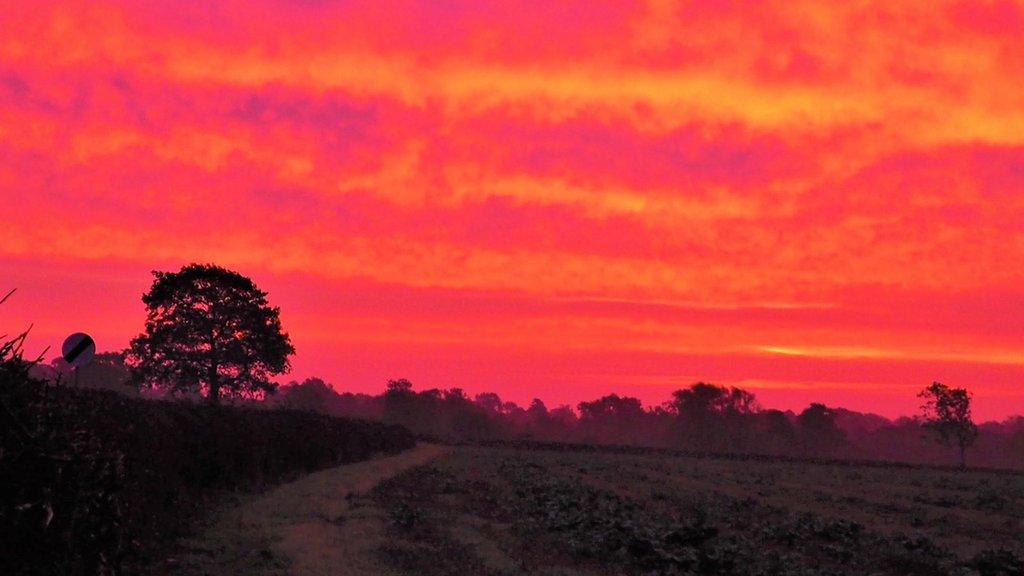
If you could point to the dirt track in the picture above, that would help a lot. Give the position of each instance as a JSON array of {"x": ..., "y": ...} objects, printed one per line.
[{"x": 304, "y": 528}]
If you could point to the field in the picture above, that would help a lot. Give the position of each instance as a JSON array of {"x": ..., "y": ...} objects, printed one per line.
[{"x": 532, "y": 511}]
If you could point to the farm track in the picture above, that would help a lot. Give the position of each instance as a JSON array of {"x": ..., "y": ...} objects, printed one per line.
[{"x": 311, "y": 527}]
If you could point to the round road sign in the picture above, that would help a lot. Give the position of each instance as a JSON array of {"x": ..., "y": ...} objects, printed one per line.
[{"x": 78, "y": 349}]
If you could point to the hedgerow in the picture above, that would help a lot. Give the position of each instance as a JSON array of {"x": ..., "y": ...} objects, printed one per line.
[{"x": 93, "y": 482}]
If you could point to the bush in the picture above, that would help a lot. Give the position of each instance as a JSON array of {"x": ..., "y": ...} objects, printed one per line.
[{"x": 94, "y": 481}]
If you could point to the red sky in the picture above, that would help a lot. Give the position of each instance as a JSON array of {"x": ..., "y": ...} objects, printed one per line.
[{"x": 812, "y": 200}]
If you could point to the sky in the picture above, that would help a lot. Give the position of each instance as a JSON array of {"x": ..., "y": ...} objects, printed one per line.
[{"x": 813, "y": 200}]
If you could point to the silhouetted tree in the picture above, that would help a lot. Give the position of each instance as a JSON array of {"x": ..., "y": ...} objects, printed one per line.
[
  {"x": 536, "y": 422},
  {"x": 699, "y": 398},
  {"x": 819, "y": 430},
  {"x": 704, "y": 398},
  {"x": 712, "y": 417},
  {"x": 611, "y": 408},
  {"x": 359, "y": 406},
  {"x": 465, "y": 419},
  {"x": 490, "y": 402},
  {"x": 947, "y": 411},
  {"x": 1016, "y": 445},
  {"x": 775, "y": 431},
  {"x": 312, "y": 394},
  {"x": 614, "y": 419},
  {"x": 400, "y": 386},
  {"x": 210, "y": 330},
  {"x": 107, "y": 371},
  {"x": 537, "y": 410},
  {"x": 446, "y": 413},
  {"x": 563, "y": 417},
  {"x": 456, "y": 395},
  {"x": 433, "y": 395},
  {"x": 399, "y": 402}
]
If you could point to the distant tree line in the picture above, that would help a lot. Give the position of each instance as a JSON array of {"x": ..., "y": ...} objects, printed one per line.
[{"x": 703, "y": 417}]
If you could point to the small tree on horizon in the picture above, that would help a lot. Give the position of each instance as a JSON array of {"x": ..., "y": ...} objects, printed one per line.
[
  {"x": 210, "y": 330},
  {"x": 947, "y": 411},
  {"x": 818, "y": 430},
  {"x": 311, "y": 395}
]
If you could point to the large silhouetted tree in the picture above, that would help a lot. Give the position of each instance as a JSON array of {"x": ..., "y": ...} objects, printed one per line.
[
  {"x": 947, "y": 411},
  {"x": 209, "y": 330}
]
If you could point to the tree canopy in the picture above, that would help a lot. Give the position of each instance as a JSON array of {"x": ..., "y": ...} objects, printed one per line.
[{"x": 210, "y": 331}]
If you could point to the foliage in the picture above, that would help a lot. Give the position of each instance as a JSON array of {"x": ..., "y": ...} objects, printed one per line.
[
  {"x": 107, "y": 371},
  {"x": 703, "y": 398},
  {"x": 947, "y": 411},
  {"x": 613, "y": 416},
  {"x": 611, "y": 407},
  {"x": 311, "y": 395},
  {"x": 209, "y": 330},
  {"x": 817, "y": 424}
]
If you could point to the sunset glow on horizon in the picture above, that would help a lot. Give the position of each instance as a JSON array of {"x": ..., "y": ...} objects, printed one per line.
[{"x": 816, "y": 201}]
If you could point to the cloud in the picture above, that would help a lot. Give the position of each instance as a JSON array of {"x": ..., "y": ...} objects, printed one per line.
[{"x": 829, "y": 177}]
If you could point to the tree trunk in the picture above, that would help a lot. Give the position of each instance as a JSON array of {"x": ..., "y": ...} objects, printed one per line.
[
  {"x": 213, "y": 375},
  {"x": 214, "y": 396},
  {"x": 963, "y": 457}
]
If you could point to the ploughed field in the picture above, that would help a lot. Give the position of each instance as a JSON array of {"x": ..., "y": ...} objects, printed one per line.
[{"x": 503, "y": 511}]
